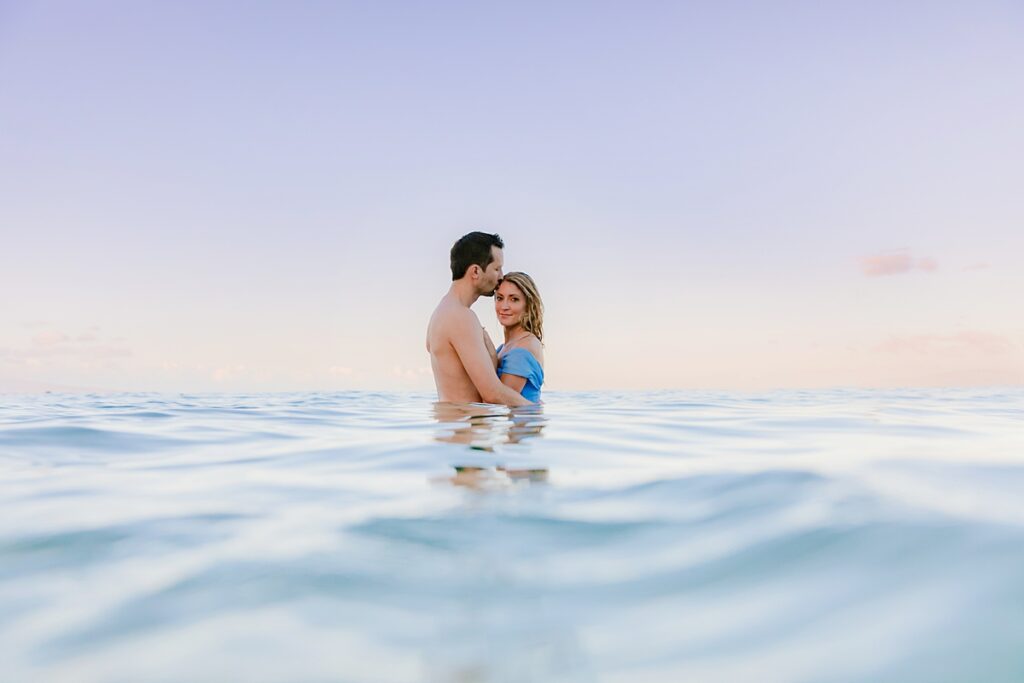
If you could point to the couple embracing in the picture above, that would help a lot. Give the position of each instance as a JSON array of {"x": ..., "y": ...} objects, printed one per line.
[{"x": 467, "y": 368}]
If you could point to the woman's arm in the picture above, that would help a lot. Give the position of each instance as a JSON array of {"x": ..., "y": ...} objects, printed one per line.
[
  {"x": 490, "y": 349},
  {"x": 514, "y": 382}
]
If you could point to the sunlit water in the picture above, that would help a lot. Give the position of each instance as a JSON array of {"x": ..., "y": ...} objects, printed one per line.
[{"x": 799, "y": 536}]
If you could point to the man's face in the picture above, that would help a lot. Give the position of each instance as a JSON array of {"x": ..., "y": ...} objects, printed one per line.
[{"x": 492, "y": 274}]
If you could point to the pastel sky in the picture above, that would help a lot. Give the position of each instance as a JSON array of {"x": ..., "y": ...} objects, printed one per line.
[{"x": 232, "y": 196}]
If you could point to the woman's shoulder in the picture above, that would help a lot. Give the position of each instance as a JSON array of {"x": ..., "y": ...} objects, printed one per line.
[
  {"x": 530, "y": 346},
  {"x": 533, "y": 345}
]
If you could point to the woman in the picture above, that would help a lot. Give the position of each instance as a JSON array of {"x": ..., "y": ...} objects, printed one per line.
[{"x": 521, "y": 312}]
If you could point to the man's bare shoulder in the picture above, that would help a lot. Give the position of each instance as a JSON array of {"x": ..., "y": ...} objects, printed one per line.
[
  {"x": 451, "y": 321},
  {"x": 450, "y": 314}
]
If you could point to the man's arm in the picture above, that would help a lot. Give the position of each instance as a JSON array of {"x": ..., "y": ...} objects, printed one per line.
[{"x": 469, "y": 344}]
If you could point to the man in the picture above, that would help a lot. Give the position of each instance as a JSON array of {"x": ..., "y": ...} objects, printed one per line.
[{"x": 461, "y": 352}]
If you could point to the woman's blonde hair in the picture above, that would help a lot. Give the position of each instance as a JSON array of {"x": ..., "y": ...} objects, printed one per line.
[{"x": 533, "y": 316}]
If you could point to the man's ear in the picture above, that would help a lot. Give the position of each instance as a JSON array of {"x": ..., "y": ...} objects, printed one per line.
[{"x": 475, "y": 270}]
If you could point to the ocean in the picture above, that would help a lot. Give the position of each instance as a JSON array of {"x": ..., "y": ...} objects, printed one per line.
[{"x": 797, "y": 536}]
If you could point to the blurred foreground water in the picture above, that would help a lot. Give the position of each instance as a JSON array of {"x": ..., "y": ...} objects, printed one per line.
[{"x": 796, "y": 536}]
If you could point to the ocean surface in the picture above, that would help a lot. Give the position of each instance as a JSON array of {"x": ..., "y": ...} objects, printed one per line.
[{"x": 830, "y": 536}]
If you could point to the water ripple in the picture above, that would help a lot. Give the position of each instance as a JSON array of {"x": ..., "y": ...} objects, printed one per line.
[{"x": 839, "y": 535}]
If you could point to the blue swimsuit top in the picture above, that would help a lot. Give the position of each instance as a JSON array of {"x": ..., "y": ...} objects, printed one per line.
[{"x": 521, "y": 363}]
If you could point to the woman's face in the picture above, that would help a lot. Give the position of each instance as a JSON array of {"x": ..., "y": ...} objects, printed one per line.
[{"x": 509, "y": 304}]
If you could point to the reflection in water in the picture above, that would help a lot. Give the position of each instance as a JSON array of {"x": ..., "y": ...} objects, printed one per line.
[
  {"x": 484, "y": 478},
  {"x": 483, "y": 637},
  {"x": 483, "y": 426},
  {"x": 490, "y": 428}
]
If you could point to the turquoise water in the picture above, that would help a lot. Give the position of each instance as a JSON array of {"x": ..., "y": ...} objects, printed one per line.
[{"x": 798, "y": 536}]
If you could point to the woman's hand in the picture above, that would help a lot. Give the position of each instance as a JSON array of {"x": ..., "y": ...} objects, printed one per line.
[{"x": 490, "y": 348}]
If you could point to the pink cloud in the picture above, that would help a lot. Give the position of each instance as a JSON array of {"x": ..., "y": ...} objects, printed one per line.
[
  {"x": 978, "y": 266},
  {"x": 895, "y": 263},
  {"x": 970, "y": 341},
  {"x": 410, "y": 373},
  {"x": 53, "y": 347},
  {"x": 228, "y": 372},
  {"x": 50, "y": 338},
  {"x": 87, "y": 353}
]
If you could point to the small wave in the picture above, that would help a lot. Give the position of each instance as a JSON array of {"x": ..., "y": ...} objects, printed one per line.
[{"x": 83, "y": 438}]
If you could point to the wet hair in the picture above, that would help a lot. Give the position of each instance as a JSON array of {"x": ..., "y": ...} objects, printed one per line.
[
  {"x": 473, "y": 249},
  {"x": 533, "y": 315}
]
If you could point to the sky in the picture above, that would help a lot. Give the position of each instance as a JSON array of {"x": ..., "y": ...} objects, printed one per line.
[{"x": 228, "y": 196}]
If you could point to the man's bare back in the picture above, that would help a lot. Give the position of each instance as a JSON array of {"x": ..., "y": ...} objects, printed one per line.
[{"x": 454, "y": 384}]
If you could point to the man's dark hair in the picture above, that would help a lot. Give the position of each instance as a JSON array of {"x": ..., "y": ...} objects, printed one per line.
[{"x": 473, "y": 249}]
